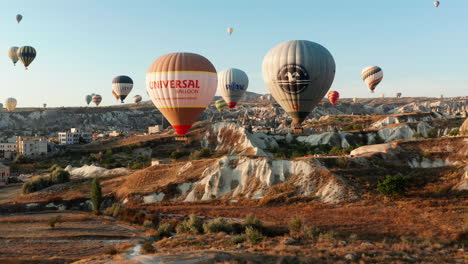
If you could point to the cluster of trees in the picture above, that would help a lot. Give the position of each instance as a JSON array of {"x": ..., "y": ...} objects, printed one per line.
[{"x": 57, "y": 176}]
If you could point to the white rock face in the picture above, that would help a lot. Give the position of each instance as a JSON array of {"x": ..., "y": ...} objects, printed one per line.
[
  {"x": 332, "y": 138},
  {"x": 373, "y": 149},
  {"x": 94, "y": 171},
  {"x": 234, "y": 139},
  {"x": 463, "y": 185},
  {"x": 427, "y": 163},
  {"x": 251, "y": 177},
  {"x": 154, "y": 197}
]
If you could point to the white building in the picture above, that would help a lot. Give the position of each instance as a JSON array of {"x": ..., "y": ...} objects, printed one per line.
[
  {"x": 74, "y": 136},
  {"x": 4, "y": 173},
  {"x": 7, "y": 150},
  {"x": 155, "y": 129},
  {"x": 31, "y": 146}
]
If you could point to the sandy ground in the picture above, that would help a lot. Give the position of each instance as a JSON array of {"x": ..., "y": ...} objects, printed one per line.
[{"x": 28, "y": 237}]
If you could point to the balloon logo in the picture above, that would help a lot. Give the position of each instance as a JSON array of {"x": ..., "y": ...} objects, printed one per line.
[{"x": 293, "y": 78}]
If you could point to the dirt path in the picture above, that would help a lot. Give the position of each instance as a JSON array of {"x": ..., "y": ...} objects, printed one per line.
[{"x": 9, "y": 192}]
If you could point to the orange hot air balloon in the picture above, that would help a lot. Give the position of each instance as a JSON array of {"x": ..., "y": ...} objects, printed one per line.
[
  {"x": 333, "y": 96},
  {"x": 181, "y": 85}
]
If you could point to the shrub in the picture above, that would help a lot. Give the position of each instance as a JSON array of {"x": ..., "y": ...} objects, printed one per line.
[
  {"x": 59, "y": 176},
  {"x": 114, "y": 210},
  {"x": 431, "y": 134},
  {"x": 112, "y": 251},
  {"x": 393, "y": 185},
  {"x": 238, "y": 239},
  {"x": 54, "y": 167},
  {"x": 194, "y": 225},
  {"x": 418, "y": 135},
  {"x": 310, "y": 232},
  {"x": 54, "y": 220},
  {"x": 335, "y": 151},
  {"x": 295, "y": 228},
  {"x": 353, "y": 237},
  {"x": 253, "y": 235},
  {"x": 164, "y": 230},
  {"x": 217, "y": 225},
  {"x": 454, "y": 132},
  {"x": 36, "y": 185},
  {"x": 328, "y": 236},
  {"x": 379, "y": 140},
  {"x": 252, "y": 221},
  {"x": 358, "y": 126},
  {"x": 148, "y": 247},
  {"x": 178, "y": 154},
  {"x": 148, "y": 224},
  {"x": 96, "y": 195}
]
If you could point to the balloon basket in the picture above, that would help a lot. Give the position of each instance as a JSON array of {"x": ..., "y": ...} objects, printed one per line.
[
  {"x": 298, "y": 130},
  {"x": 181, "y": 138}
]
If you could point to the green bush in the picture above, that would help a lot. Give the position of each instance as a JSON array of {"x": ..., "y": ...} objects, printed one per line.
[
  {"x": 336, "y": 151},
  {"x": 178, "y": 154},
  {"x": 164, "y": 230},
  {"x": 379, "y": 140},
  {"x": 36, "y": 185},
  {"x": 96, "y": 195},
  {"x": 418, "y": 135},
  {"x": 454, "y": 132},
  {"x": 253, "y": 235},
  {"x": 238, "y": 239},
  {"x": 54, "y": 167},
  {"x": 194, "y": 225},
  {"x": 431, "y": 134},
  {"x": 252, "y": 221},
  {"x": 54, "y": 220},
  {"x": 59, "y": 176},
  {"x": 358, "y": 126},
  {"x": 204, "y": 153},
  {"x": 395, "y": 185},
  {"x": 295, "y": 228},
  {"x": 327, "y": 236},
  {"x": 148, "y": 224},
  {"x": 114, "y": 210},
  {"x": 310, "y": 232},
  {"x": 217, "y": 225}
]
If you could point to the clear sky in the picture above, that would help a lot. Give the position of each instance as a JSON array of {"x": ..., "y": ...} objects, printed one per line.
[{"x": 81, "y": 45}]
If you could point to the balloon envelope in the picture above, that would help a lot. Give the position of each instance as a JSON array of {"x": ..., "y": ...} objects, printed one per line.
[
  {"x": 137, "y": 99},
  {"x": 298, "y": 74},
  {"x": 88, "y": 98},
  {"x": 115, "y": 95},
  {"x": 97, "y": 99},
  {"x": 372, "y": 76},
  {"x": 221, "y": 105},
  {"x": 232, "y": 84},
  {"x": 181, "y": 85},
  {"x": 10, "y": 104},
  {"x": 122, "y": 85},
  {"x": 333, "y": 97},
  {"x": 230, "y": 30},
  {"x": 19, "y": 18},
  {"x": 13, "y": 54},
  {"x": 26, "y": 54},
  {"x": 436, "y": 3}
]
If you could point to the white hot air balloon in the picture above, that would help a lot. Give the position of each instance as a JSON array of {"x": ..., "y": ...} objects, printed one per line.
[
  {"x": 10, "y": 104},
  {"x": 298, "y": 74},
  {"x": 137, "y": 99},
  {"x": 122, "y": 85},
  {"x": 232, "y": 84},
  {"x": 230, "y": 30},
  {"x": 436, "y": 3},
  {"x": 13, "y": 54}
]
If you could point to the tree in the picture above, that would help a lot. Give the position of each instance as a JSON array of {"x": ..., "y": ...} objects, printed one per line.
[{"x": 96, "y": 195}]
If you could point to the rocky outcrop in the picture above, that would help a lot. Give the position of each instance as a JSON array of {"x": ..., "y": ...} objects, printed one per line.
[
  {"x": 464, "y": 128},
  {"x": 232, "y": 176}
]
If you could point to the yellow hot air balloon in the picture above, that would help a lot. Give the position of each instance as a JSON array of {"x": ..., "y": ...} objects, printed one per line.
[
  {"x": 298, "y": 74},
  {"x": 181, "y": 85},
  {"x": 10, "y": 104},
  {"x": 13, "y": 54}
]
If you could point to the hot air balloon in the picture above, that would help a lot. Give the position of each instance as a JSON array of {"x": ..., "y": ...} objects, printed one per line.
[
  {"x": 115, "y": 95},
  {"x": 97, "y": 99},
  {"x": 221, "y": 105},
  {"x": 137, "y": 99},
  {"x": 88, "y": 98},
  {"x": 298, "y": 74},
  {"x": 372, "y": 76},
  {"x": 181, "y": 85},
  {"x": 232, "y": 84},
  {"x": 333, "y": 97},
  {"x": 19, "y": 18},
  {"x": 13, "y": 54},
  {"x": 436, "y": 3},
  {"x": 26, "y": 54},
  {"x": 398, "y": 95},
  {"x": 10, "y": 104},
  {"x": 230, "y": 30},
  {"x": 122, "y": 85}
]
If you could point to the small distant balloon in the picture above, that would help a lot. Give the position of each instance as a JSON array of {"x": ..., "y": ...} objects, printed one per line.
[
  {"x": 436, "y": 3},
  {"x": 137, "y": 99},
  {"x": 89, "y": 98},
  {"x": 398, "y": 95},
  {"x": 232, "y": 84},
  {"x": 333, "y": 97},
  {"x": 221, "y": 105},
  {"x": 26, "y": 54},
  {"x": 230, "y": 30},
  {"x": 122, "y": 85},
  {"x": 97, "y": 99},
  {"x": 19, "y": 18},
  {"x": 10, "y": 104},
  {"x": 13, "y": 54}
]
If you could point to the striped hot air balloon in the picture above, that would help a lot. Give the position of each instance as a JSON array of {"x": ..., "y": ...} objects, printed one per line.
[
  {"x": 13, "y": 54},
  {"x": 298, "y": 74},
  {"x": 333, "y": 97},
  {"x": 221, "y": 105},
  {"x": 10, "y": 104},
  {"x": 232, "y": 84},
  {"x": 137, "y": 99},
  {"x": 97, "y": 99},
  {"x": 372, "y": 76},
  {"x": 181, "y": 85},
  {"x": 26, "y": 54},
  {"x": 122, "y": 85}
]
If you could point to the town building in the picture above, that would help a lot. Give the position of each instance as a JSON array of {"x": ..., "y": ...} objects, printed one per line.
[
  {"x": 74, "y": 136},
  {"x": 4, "y": 173},
  {"x": 31, "y": 146},
  {"x": 7, "y": 150},
  {"x": 155, "y": 129}
]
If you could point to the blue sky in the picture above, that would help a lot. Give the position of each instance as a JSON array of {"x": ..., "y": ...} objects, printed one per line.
[{"x": 82, "y": 45}]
